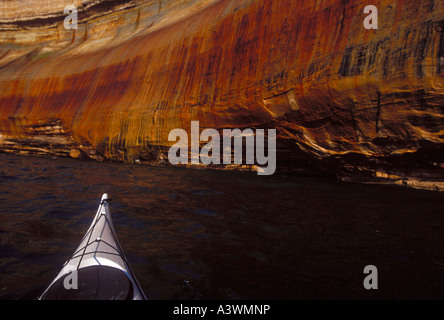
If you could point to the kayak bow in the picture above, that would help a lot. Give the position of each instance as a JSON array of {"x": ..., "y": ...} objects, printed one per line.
[{"x": 98, "y": 269}]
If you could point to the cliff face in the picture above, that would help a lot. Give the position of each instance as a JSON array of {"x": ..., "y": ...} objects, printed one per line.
[{"x": 344, "y": 100}]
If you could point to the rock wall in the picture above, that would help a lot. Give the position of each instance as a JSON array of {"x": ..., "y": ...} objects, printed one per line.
[{"x": 345, "y": 100}]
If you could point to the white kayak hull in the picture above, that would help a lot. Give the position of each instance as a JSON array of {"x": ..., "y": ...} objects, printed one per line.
[{"x": 98, "y": 269}]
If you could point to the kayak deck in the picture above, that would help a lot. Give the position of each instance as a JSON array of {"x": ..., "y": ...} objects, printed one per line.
[{"x": 98, "y": 269}]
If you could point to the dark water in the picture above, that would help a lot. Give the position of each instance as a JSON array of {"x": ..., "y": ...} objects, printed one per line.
[{"x": 192, "y": 234}]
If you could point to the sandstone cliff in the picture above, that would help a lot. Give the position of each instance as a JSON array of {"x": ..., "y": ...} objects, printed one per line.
[{"x": 346, "y": 101}]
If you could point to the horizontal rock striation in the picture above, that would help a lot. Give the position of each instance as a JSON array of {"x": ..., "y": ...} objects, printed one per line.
[{"x": 346, "y": 101}]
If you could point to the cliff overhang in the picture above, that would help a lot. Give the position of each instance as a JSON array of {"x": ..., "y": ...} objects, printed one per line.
[{"x": 346, "y": 102}]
